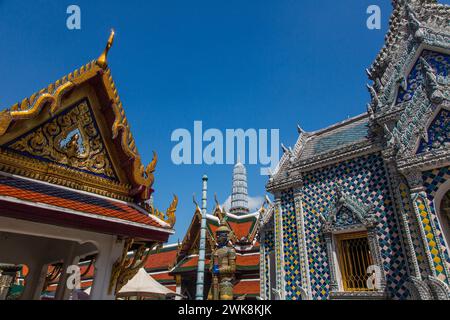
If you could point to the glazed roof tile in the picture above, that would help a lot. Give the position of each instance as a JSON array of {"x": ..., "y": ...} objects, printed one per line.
[
  {"x": 64, "y": 198},
  {"x": 162, "y": 260},
  {"x": 340, "y": 135}
]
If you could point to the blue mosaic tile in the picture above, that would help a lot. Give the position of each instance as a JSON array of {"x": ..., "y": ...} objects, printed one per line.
[
  {"x": 290, "y": 247},
  {"x": 364, "y": 178},
  {"x": 438, "y": 61},
  {"x": 438, "y": 133},
  {"x": 433, "y": 180}
]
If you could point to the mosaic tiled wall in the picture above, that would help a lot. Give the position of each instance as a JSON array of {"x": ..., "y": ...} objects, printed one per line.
[
  {"x": 364, "y": 178},
  {"x": 269, "y": 247},
  {"x": 413, "y": 227},
  {"x": 278, "y": 246},
  {"x": 433, "y": 180},
  {"x": 290, "y": 246}
]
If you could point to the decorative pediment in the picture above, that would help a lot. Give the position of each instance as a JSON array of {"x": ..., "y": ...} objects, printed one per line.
[
  {"x": 413, "y": 25},
  {"x": 94, "y": 148},
  {"x": 430, "y": 71},
  {"x": 437, "y": 135},
  {"x": 427, "y": 91},
  {"x": 71, "y": 139},
  {"x": 347, "y": 213}
]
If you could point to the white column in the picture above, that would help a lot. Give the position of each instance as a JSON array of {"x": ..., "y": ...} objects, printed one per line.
[
  {"x": 61, "y": 290},
  {"x": 108, "y": 254}
]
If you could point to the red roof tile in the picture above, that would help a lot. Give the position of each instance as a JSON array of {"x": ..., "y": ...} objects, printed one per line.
[
  {"x": 161, "y": 260},
  {"x": 242, "y": 262},
  {"x": 247, "y": 287},
  {"x": 163, "y": 276},
  {"x": 32, "y": 191},
  {"x": 241, "y": 229}
]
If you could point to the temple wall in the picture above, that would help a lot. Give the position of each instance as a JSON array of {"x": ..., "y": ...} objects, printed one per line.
[
  {"x": 364, "y": 178},
  {"x": 433, "y": 181}
]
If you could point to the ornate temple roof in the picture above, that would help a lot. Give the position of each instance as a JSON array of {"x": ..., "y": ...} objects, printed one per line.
[
  {"x": 249, "y": 262},
  {"x": 313, "y": 148},
  {"x": 69, "y": 147},
  {"x": 415, "y": 26},
  {"x": 94, "y": 81},
  {"x": 75, "y": 208},
  {"x": 405, "y": 12},
  {"x": 413, "y": 23},
  {"x": 162, "y": 259},
  {"x": 353, "y": 130}
]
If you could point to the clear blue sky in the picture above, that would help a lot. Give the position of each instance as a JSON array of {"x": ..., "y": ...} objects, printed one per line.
[{"x": 232, "y": 64}]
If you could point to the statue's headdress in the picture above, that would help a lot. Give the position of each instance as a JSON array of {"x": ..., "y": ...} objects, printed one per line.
[{"x": 223, "y": 227}]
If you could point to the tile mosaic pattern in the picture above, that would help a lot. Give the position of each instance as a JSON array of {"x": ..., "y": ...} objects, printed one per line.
[
  {"x": 364, "y": 178},
  {"x": 290, "y": 246},
  {"x": 278, "y": 245},
  {"x": 438, "y": 61},
  {"x": 433, "y": 180},
  {"x": 413, "y": 227},
  {"x": 430, "y": 237},
  {"x": 438, "y": 133},
  {"x": 269, "y": 246}
]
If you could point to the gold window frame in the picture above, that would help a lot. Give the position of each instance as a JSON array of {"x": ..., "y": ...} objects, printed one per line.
[{"x": 347, "y": 262}]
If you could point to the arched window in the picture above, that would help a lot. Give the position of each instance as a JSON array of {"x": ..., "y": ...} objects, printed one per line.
[{"x": 444, "y": 216}]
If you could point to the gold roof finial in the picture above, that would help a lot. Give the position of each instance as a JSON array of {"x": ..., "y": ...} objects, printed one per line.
[{"x": 102, "y": 60}]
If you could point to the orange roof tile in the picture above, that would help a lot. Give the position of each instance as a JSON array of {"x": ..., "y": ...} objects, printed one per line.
[
  {"x": 247, "y": 287},
  {"x": 32, "y": 191},
  {"x": 161, "y": 260},
  {"x": 241, "y": 229},
  {"x": 163, "y": 276}
]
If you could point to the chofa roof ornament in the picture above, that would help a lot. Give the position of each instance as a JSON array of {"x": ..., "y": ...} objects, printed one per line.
[{"x": 102, "y": 60}]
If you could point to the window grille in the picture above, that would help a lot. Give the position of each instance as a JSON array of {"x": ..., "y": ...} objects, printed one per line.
[{"x": 354, "y": 259}]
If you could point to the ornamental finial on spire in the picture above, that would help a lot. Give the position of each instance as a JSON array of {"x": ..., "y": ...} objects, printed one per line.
[{"x": 102, "y": 60}]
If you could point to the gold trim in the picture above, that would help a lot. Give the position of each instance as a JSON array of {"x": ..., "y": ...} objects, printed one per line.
[
  {"x": 125, "y": 268},
  {"x": 102, "y": 60},
  {"x": 169, "y": 216},
  {"x": 31, "y": 107},
  {"x": 352, "y": 266},
  {"x": 29, "y": 110},
  {"x": 53, "y": 173}
]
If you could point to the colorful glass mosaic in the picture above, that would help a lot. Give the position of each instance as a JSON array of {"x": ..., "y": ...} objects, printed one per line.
[
  {"x": 269, "y": 247},
  {"x": 438, "y": 133},
  {"x": 430, "y": 237},
  {"x": 438, "y": 61},
  {"x": 365, "y": 179},
  {"x": 416, "y": 237},
  {"x": 290, "y": 247},
  {"x": 433, "y": 180}
]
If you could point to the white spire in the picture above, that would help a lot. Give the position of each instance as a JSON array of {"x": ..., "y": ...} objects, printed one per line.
[{"x": 239, "y": 195}]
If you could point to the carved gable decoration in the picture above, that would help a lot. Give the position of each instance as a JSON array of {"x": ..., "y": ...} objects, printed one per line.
[
  {"x": 347, "y": 213},
  {"x": 71, "y": 139},
  {"x": 427, "y": 92},
  {"x": 437, "y": 134},
  {"x": 434, "y": 72}
]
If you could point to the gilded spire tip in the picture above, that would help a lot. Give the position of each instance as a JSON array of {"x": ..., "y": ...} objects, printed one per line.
[{"x": 102, "y": 60}]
